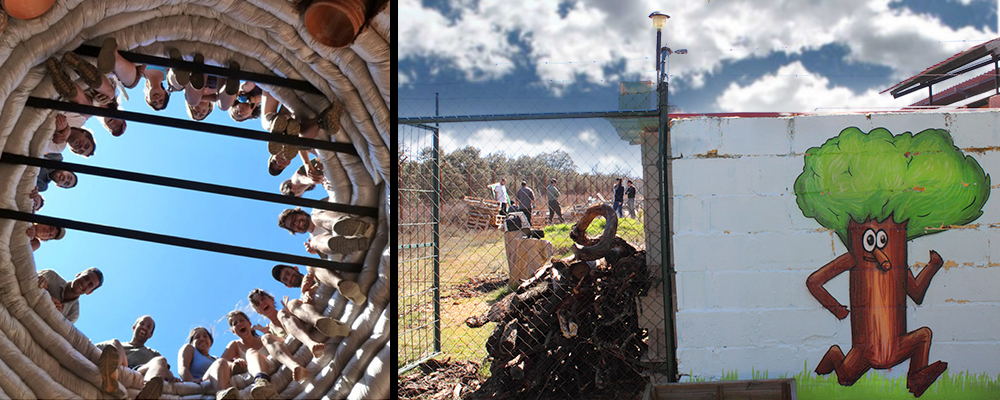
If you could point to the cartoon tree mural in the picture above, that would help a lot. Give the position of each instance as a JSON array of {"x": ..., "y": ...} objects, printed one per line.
[{"x": 878, "y": 191}]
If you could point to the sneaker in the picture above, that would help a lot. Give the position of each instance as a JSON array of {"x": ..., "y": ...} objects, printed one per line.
[
  {"x": 183, "y": 77},
  {"x": 331, "y": 327},
  {"x": 228, "y": 394},
  {"x": 86, "y": 70},
  {"x": 352, "y": 291},
  {"x": 329, "y": 120},
  {"x": 60, "y": 80},
  {"x": 352, "y": 227},
  {"x": 106, "y": 58},
  {"x": 198, "y": 78},
  {"x": 107, "y": 366},
  {"x": 233, "y": 84},
  {"x": 151, "y": 390},
  {"x": 344, "y": 245},
  {"x": 262, "y": 389}
]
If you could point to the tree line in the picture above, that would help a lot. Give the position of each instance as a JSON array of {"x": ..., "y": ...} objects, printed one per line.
[{"x": 468, "y": 172}]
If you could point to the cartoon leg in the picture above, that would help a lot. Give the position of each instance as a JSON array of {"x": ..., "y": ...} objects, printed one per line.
[
  {"x": 917, "y": 346},
  {"x": 849, "y": 369}
]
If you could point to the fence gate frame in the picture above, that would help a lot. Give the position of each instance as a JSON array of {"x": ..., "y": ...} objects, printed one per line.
[{"x": 661, "y": 139}]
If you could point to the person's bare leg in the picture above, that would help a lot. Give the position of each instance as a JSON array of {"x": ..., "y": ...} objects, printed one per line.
[
  {"x": 219, "y": 373},
  {"x": 309, "y": 315},
  {"x": 158, "y": 366},
  {"x": 279, "y": 352},
  {"x": 346, "y": 283},
  {"x": 297, "y": 328},
  {"x": 125, "y": 70},
  {"x": 192, "y": 95},
  {"x": 225, "y": 100},
  {"x": 257, "y": 363}
]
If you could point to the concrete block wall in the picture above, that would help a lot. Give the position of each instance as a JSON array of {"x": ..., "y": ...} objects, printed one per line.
[{"x": 743, "y": 249}]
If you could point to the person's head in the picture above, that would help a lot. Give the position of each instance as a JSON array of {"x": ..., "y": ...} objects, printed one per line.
[
  {"x": 524, "y": 184},
  {"x": 114, "y": 125},
  {"x": 81, "y": 141},
  {"x": 240, "y": 112},
  {"x": 630, "y": 183},
  {"x": 201, "y": 339},
  {"x": 37, "y": 202},
  {"x": 503, "y": 181},
  {"x": 294, "y": 220},
  {"x": 87, "y": 281},
  {"x": 48, "y": 232},
  {"x": 287, "y": 274},
  {"x": 143, "y": 328},
  {"x": 200, "y": 111},
  {"x": 239, "y": 323},
  {"x": 553, "y": 181},
  {"x": 289, "y": 188},
  {"x": 262, "y": 302},
  {"x": 618, "y": 181},
  {"x": 276, "y": 164},
  {"x": 156, "y": 96},
  {"x": 63, "y": 178}
]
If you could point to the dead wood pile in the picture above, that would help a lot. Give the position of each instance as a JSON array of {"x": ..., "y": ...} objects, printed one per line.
[
  {"x": 440, "y": 380},
  {"x": 572, "y": 330}
]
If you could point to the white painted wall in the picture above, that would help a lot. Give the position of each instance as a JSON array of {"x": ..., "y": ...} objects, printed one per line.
[{"x": 743, "y": 249}]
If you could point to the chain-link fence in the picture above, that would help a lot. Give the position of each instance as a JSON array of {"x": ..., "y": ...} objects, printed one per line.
[{"x": 598, "y": 328}]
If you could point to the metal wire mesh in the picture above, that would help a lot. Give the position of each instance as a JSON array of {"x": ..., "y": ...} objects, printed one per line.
[{"x": 476, "y": 273}]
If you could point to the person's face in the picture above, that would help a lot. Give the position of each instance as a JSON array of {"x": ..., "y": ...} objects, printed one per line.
[
  {"x": 298, "y": 223},
  {"x": 243, "y": 111},
  {"x": 85, "y": 283},
  {"x": 201, "y": 341},
  {"x": 143, "y": 328},
  {"x": 299, "y": 189},
  {"x": 63, "y": 178},
  {"x": 280, "y": 162},
  {"x": 114, "y": 124},
  {"x": 503, "y": 181},
  {"x": 291, "y": 277},
  {"x": 263, "y": 304},
  {"x": 156, "y": 96},
  {"x": 201, "y": 110},
  {"x": 240, "y": 326},
  {"x": 45, "y": 232},
  {"x": 79, "y": 142}
]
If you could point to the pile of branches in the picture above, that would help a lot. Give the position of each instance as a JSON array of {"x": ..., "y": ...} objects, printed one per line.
[
  {"x": 440, "y": 379},
  {"x": 572, "y": 330}
]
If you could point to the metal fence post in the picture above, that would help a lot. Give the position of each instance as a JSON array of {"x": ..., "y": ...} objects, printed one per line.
[
  {"x": 436, "y": 207},
  {"x": 668, "y": 288}
]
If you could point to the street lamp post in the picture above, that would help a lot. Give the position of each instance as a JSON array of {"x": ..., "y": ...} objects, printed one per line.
[{"x": 659, "y": 20}]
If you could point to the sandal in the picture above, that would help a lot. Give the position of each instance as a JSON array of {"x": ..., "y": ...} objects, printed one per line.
[
  {"x": 233, "y": 84},
  {"x": 330, "y": 117},
  {"x": 106, "y": 58},
  {"x": 183, "y": 77},
  {"x": 64, "y": 86},
  {"x": 87, "y": 71},
  {"x": 198, "y": 78}
]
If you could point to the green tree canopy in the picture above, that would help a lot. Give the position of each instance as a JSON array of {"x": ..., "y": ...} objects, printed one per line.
[{"x": 922, "y": 179}]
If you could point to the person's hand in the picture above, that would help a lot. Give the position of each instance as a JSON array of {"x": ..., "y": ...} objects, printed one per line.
[
  {"x": 35, "y": 244},
  {"x": 43, "y": 283},
  {"x": 36, "y": 200},
  {"x": 61, "y": 123},
  {"x": 239, "y": 366},
  {"x": 171, "y": 379},
  {"x": 102, "y": 98},
  {"x": 30, "y": 231},
  {"x": 284, "y": 302},
  {"x": 58, "y": 304},
  {"x": 316, "y": 175},
  {"x": 310, "y": 248},
  {"x": 309, "y": 285},
  {"x": 261, "y": 329}
]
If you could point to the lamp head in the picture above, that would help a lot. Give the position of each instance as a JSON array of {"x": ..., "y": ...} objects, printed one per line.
[{"x": 659, "y": 20}]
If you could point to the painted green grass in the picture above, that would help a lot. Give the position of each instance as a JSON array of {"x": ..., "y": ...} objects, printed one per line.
[{"x": 874, "y": 385}]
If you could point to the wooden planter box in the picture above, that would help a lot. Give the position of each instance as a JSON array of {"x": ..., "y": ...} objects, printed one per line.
[{"x": 766, "y": 389}]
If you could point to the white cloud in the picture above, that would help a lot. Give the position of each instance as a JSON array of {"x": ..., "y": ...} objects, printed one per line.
[
  {"x": 596, "y": 35},
  {"x": 589, "y": 137},
  {"x": 793, "y": 88}
]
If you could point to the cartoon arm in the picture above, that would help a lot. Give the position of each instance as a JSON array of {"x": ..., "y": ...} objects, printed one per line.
[
  {"x": 823, "y": 275},
  {"x": 916, "y": 288}
]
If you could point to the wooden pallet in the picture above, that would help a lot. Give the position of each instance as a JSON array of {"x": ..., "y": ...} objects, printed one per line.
[{"x": 482, "y": 213}]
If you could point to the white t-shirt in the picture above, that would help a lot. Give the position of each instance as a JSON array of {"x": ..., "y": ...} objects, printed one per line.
[{"x": 501, "y": 193}]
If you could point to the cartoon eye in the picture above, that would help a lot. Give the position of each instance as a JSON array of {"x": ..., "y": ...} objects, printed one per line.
[
  {"x": 869, "y": 240},
  {"x": 881, "y": 239}
]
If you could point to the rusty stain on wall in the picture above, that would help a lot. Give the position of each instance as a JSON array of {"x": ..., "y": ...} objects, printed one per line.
[
  {"x": 715, "y": 154},
  {"x": 955, "y": 301}
]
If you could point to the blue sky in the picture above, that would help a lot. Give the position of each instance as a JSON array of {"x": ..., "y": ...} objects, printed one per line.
[
  {"x": 181, "y": 288},
  {"x": 492, "y": 57}
]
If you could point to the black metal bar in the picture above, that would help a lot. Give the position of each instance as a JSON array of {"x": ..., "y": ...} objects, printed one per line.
[
  {"x": 179, "y": 241},
  {"x": 930, "y": 96},
  {"x": 39, "y": 102},
  {"x": 940, "y": 79},
  {"x": 93, "y": 51},
  {"x": 10, "y": 158}
]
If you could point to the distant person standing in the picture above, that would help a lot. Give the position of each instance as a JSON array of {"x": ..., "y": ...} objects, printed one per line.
[
  {"x": 501, "y": 194},
  {"x": 553, "y": 196},
  {"x": 525, "y": 199},
  {"x": 619, "y": 197},
  {"x": 630, "y": 195}
]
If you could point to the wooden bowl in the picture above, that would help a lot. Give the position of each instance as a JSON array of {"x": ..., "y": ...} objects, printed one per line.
[
  {"x": 334, "y": 23},
  {"x": 27, "y": 9}
]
